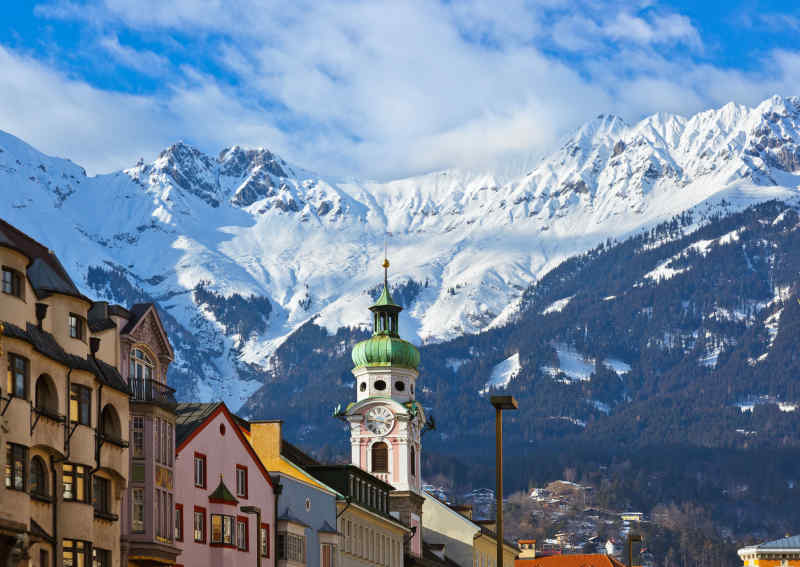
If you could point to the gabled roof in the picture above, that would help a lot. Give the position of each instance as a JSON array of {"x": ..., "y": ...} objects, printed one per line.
[
  {"x": 137, "y": 315},
  {"x": 45, "y": 272},
  {"x": 192, "y": 418}
]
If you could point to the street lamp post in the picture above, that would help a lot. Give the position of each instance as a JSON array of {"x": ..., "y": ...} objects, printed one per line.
[
  {"x": 500, "y": 403},
  {"x": 631, "y": 539},
  {"x": 257, "y": 511}
]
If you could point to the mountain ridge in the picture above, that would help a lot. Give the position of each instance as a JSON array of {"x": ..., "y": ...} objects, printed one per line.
[{"x": 248, "y": 224}]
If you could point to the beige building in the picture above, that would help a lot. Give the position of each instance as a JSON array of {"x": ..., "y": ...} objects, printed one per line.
[
  {"x": 64, "y": 416},
  {"x": 465, "y": 541}
]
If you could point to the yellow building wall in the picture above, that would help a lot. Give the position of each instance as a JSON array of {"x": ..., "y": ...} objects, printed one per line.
[
  {"x": 788, "y": 562},
  {"x": 485, "y": 552},
  {"x": 367, "y": 540},
  {"x": 265, "y": 437}
]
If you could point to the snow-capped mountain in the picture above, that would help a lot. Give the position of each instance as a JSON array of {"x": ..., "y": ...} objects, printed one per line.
[{"x": 243, "y": 248}]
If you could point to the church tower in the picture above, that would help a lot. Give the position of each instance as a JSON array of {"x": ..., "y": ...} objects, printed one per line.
[{"x": 386, "y": 421}]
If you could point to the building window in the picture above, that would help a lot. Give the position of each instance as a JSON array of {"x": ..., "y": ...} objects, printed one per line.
[
  {"x": 75, "y": 553},
  {"x": 45, "y": 397},
  {"x": 169, "y": 428},
  {"x": 200, "y": 470},
  {"x": 291, "y": 547},
  {"x": 328, "y": 555},
  {"x": 44, "y": 557},
  {"x": 101, "y": 557},
  {"x": 16, "y": 461},
  {"x": 159, "y": 524},
  {"x": 80, "y": 404},
  {"x": 76, "y": 326},
  {"x": 178, "y": 522},
  {"x": 399, "y": 386},
  {"x": 242, "y": 533},
  {"x": 75, "y": 479},
  {"x": 222, "y": 529},
  {"x": 138, "y": 510},
  {"x": 157, "y": 438},
  {"x": 38, "y": 477},
  {"x": 101, "y": 495},
  {"x": 18, "y": 369},
  {"x": 380, "y": 458},
  {"x": 12, "y": 282},
  {"x": 264, "y": 540},
  {"x": 413, "y": 462},
  {"x": 141, "y": 367},
  {"x": 170, "y": 517},
  {"x": 138, "y": 436},
  {"x": 199, "y": 524},
  {"x": 241, "y": 481}
]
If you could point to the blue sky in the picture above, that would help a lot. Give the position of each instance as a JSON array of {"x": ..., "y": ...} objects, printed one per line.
[{"x": 373, "y": 89}]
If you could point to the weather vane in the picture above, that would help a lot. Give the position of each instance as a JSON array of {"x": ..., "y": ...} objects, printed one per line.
[{"x": 386, "y": 257}]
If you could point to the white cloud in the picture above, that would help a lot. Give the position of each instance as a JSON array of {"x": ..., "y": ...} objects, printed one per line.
[
  {"x": 370, "y": 88},
  {"x": 144, "y": 61}
]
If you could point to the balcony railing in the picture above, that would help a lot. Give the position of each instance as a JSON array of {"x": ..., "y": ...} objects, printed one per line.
[{"x": 148, "y": 390}]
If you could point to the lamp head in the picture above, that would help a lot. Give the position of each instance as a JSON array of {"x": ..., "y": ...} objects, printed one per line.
[{"x": 504, "y": 402}]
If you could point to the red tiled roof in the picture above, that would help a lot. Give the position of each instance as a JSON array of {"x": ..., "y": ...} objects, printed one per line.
[{"x": 576, "y": 560}]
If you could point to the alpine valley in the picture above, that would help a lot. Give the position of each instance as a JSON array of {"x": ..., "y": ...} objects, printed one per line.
[{"x": 636, "y": 290}]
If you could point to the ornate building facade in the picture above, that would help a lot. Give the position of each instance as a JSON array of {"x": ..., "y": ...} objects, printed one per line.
[{"x": 64, "y": 416}]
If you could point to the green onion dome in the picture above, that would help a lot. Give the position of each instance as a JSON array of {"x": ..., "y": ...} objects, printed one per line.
[
  {"x": 385, "y": 350},
  {"x": 385, "y": 347}
]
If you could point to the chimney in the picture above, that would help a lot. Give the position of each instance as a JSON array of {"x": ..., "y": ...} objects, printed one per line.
[
  {"x": 41, "y": 313},
  {"x": 464, "y": 509}
]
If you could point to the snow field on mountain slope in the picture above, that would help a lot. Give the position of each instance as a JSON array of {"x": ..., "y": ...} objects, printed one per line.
[{"x": 502, "y": 374}]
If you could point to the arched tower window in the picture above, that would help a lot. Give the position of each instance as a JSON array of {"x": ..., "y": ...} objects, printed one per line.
[
  {"x": 413, "y": 462},
  {"x": 380, "y": 458}
]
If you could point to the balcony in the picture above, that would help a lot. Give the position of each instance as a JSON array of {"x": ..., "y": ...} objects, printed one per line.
[{"x": 152, "y": 392}]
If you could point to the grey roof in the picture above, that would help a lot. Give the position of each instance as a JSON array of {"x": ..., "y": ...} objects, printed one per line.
[
  {"x": 45, "y": 272},
  {"x": 327, "y": 528},
  {"x": 46, "y": 344},
  {"x": 190, "y": 416},
  {"x": 287, "y": 517},
  {"x": 137, "y": 311},
  {"x": 792, "y": 542},
  {"x": 98, "y": 317}
]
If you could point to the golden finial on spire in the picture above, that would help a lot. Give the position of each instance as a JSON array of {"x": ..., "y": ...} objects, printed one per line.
[{"x": 385, "y": 263}]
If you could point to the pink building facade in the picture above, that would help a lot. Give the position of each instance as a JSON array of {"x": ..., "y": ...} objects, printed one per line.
[{"x": 220, "y": 482}]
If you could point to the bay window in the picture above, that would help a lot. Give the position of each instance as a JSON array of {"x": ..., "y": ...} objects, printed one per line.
[{"x": 222, "y": 529}]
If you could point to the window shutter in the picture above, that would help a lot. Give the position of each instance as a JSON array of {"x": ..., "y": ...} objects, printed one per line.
[{"x": 380, "y": 458}]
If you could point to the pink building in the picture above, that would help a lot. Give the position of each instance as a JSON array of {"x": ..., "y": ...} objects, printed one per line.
[{"x": 220, "y": 482}]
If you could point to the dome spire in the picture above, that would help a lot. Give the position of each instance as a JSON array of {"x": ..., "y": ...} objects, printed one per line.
[{"x": 385, "y": 347}]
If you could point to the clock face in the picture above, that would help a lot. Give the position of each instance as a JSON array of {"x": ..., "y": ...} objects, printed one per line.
[{"x": 379, "y": 420}]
